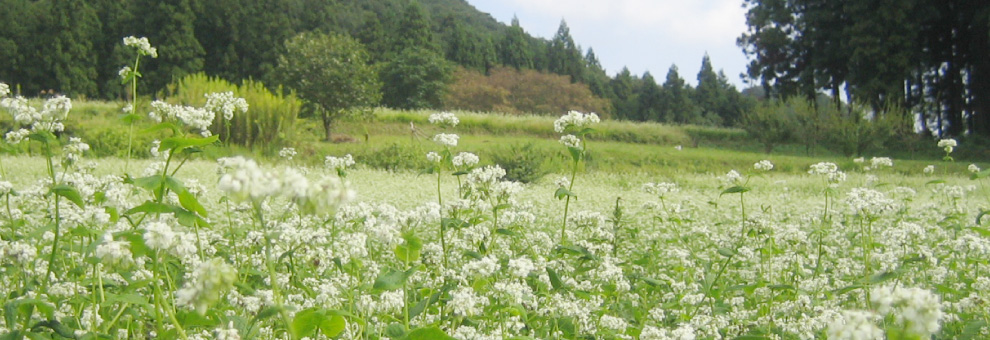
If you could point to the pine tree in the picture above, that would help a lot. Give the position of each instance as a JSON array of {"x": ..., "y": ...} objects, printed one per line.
[
  {"x": 75, "y": 26},
  {"x": 649, "y": 99},
  {"x": 563, "y": 55},
  {"x": 513, "y": 49},
  {"x": 624, "y": 88},
  {"x": 169, "y": 26},
  {"x": 414, "y": 30}
]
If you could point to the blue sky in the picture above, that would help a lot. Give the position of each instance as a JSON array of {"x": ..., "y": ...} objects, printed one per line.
[{"x": 643, "y": 35}]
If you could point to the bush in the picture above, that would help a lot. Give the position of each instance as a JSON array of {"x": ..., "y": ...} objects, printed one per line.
[
  {"x": 522, "y": 162},
  {"x": 394, "y": 157},
  {"x": 770, "y": 123},
  {"x": 858, "y": 132},
  {"x": 521, "y": 91},
  {"x": 270, "y": 119}
]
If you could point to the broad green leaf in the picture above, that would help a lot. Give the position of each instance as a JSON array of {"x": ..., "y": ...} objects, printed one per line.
[
  {"x": 392, "y": 280},
  {"x": 726, "y": 252},
  {"x": 734, "y": 190},
  {"x": 189, "y": 201},
  {"x": 576, "y": 153},
  {"x": 69, "y": 193},
  {"x": 130, "y": 118},
  {"x": 432, "y": 333},
  {"x": 419, "y": 307},
  {"x": 979, "y": 216},
  {"x": 555, "y": 279},
  {"x": 395, "y": 330},
  {"x": 563, "y": 192},
  {"x": 981, "y": 174},
  {"x": 405, "y": 253},
  {"x": 151, "y": 208},
  {"x": 981, "y": 231},
  {"x": 43, "y": 137},
  {"x": 306, "y": 322},
  {"x": 150, "y": 183}
]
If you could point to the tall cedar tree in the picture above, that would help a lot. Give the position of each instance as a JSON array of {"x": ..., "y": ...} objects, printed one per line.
[
  {"x": 563, "y": 55},
  {"x": 513, "y": 49},
  {"x": 75, "y": 27}
]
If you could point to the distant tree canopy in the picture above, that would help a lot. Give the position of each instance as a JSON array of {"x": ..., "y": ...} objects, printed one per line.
[
  {"x": 930, "y": 56},
  {"x": 414, "y": 44}
]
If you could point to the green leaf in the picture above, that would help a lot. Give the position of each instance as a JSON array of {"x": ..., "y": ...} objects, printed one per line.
[
  {"x": 130, "y": 118},
  {"x": 43, "y": 137},
  {"x": 576, "y": 153},
  {"x": 935, "y": 181},
  {"x": 150, "y": 207},
  {"x": 981, "y": 174},
  {"x": 150, "y": 183},
  {"x": 395, "y": 330},
  {"x": 726, "y": 252},
  {"x": 405, "y": 253},
  {"x": 878, "y": 278},
  {"x": 189, "y": 201},
  {"x": 563, "y": 192},
  {"x": 69, "y": 193},
  {"x": 432, "y": 333},
  {"x": 981, "y": 231},
  {"x": 734, "y": 190},
  {"x": 419, "y": 308},
  {"x": 555, "y": 279},
  {"x": 392, "y": 280},
  {"x": 306, "y": 322}
]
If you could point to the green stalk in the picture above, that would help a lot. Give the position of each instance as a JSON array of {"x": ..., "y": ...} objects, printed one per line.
[{"x": 567, "y": 204}]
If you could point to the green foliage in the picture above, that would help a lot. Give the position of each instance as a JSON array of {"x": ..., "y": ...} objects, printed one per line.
[
  {"x": 270, "y": 120},
  {"x": 75, "y": 26},
  {"x": 394, "y": 157},
  {"x": 522, "y": 162},
  {"x": 330, "y": 72},
  {"x": 858, "y": 133},
  {"x": 770, "y": 123},
  {"x": 170, "y": 27},
  {"x": 415, "y": 79}
]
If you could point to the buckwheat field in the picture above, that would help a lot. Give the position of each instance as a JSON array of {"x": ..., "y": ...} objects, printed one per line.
[{"x": 178, "y": 247}]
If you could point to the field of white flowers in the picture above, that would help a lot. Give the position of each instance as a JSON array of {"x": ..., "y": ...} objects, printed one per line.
[{"x": 176, "y": 247}]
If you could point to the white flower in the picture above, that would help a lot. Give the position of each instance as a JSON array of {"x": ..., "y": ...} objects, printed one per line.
[
  {"x": 124, "y": 72},
  {"x": 732, "y": 177},
  {"x": 563, "y": 182},
  {"x": 917, "y": 309},
  {"x": 111, "y": 251},
  {"x": 244, "y": 179},
  {"x": 465, "y": 302},
  {"x": 15, "y": 137},
  {"x": 570, "y": 141},
  {"x": 869, "y": 201},
  {"x": 158, "y": 235},
  {"x": 829, "y": 170},
  {"x": 338, "y": 163},
  {"x": 575, "y": 120},
  {"x": 973, "y": 168},
  {"x": 763, "y": 165},
  {"x": 660, "y": 189},
  {"x": 947, "y": 144},
  {"x": 446, "y": 139},
  {"x": 521, "y": 267},
  {"x": 465, "y": 159},
  {"x": 225, "y": 103},
  {"x": 205, "y": 285},
  {"x": 855, "y": 325},
  {"x": 859, "y": 160},
  {"x": 444, "y": 119},
  {"x": 196, "y": 118},
  {"x": 877, "y": 162},
  {"x": 433, "y": 157},
  {"x": 287, "y": 153},
  {"x": 142, "y": 45},
  {"x": 74, "y": 149},
  {"x": 4, "y": 90},
  {"x": 930, "y": 169},
  {"x": 678, "y": 147}
]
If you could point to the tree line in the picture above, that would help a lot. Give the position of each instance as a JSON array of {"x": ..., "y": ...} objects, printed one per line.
[
  {"x": 927, "y": 56},
  {"x": 73, "y": 47}
]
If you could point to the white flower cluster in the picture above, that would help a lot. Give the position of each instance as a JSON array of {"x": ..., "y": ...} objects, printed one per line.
[
  {"x": 465, "y": 302},
  {"x": 196, "y": 118},
  {"x": 338, "y": 163},
  {"x": 225, "y": 103},
  {"x": 446, "y": 139},
  {"x": 948, "y": 144},
  {"x": 17, "y": 136},
  {"x": 204, "y": 287},
  {"x": 763, "y": 165},
  {"x": 444, "y": 119},
  {"x": 732, "y": 178},
  {"x": 660, "y": 189},
  {"x": 74, "y": 149},
  {"x": 570, "y": 141},
  {"x": 575, "y": 120},
  {"x": 855, "y": 325},
  {"x": 930, "y": 169},
  {"x": 916, "y": 309},
  {"x": 433, "y": 157},
  {"x": 973, "y": 168},
  {"x": 869, "y": 201},
  {"x": 113, "y": 252},
  {"x": 465, "y": 159},
  {"x": 287, "y": 153},
  {"x": 878, "y": 162},
  {"x": 142, "y": 45},
  {"x": 4, "y": 90},
  {"x": 829, "y": 170},
  {"x": 49, "y": 118},
  {"x": 244, "y": 180},
  {"x": 124, "y": 72}
]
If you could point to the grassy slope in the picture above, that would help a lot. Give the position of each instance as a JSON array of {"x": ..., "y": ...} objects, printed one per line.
[{"x": 616, "y": 146}]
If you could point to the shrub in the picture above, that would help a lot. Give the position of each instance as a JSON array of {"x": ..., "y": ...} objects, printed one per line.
[
  {"x": 521, "y": 91},
  {"x": 270, "y": 119},
  {"x": 770, "y": 123},
  {"x": 394, "y": 157},
  {"x": 522, "y": 162}
]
